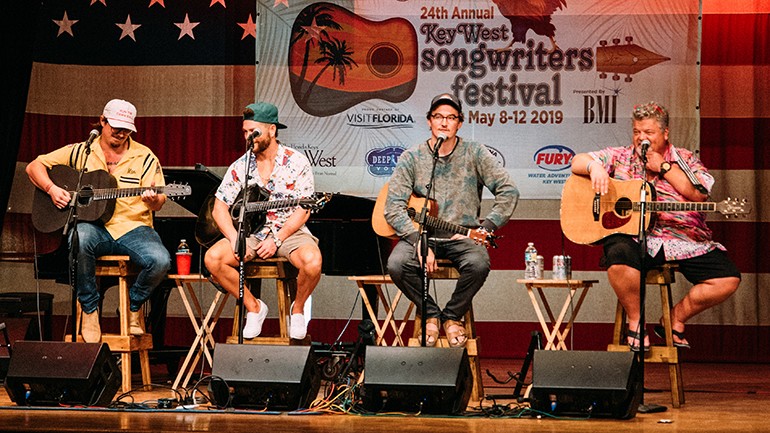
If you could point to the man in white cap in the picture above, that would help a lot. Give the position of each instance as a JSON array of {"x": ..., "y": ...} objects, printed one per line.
[
  {"x": 129, "y": 231},
  {"x": 285, "y": 174}
]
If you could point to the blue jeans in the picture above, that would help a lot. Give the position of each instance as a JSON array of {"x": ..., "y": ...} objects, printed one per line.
[
  {"x": 471, "y": 260},
  {"x": 142, "y": 244}
]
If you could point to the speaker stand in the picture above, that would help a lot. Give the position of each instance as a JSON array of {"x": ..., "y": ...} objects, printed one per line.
[{"x": 535, "y": 343}]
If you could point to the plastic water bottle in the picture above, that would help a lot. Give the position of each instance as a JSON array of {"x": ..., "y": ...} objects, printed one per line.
[
  {"x": 530, "y": 262},
  {"x": 183, "y": 247},
  {"x": 183, "y": 258}
]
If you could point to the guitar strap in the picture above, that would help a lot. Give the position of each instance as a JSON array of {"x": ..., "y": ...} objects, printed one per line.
[{"x": 688, "y": 171}]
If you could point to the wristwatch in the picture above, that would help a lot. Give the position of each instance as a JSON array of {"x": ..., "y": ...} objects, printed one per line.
[
  {"x": 277, "y": 241},
  {"x": 664, "y": 168}
]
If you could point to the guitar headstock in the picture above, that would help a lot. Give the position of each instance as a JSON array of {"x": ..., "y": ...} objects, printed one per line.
[
  {"x": 733, "y": 207},
  {"x": 484, "y": 237},
  {"x": 316, "y": 201},
  {"x": 177, "y": 190}
]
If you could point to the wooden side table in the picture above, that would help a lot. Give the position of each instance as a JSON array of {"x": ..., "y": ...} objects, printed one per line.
[
  {"x": 373, "y": 283},
  {"x": 204, "y": 326},
  {"x": 556, "y": 330}
]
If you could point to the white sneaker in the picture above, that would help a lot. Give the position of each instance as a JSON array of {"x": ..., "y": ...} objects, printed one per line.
[
  {"x": 254, "y": 321},
  {"x": 297, "y": 327}
]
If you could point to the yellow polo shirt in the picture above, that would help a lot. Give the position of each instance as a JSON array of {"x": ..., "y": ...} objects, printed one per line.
[{"x": 138, "y": 167}]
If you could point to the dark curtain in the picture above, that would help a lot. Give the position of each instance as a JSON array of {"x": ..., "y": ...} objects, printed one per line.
[{"x": 18, "y": 36}]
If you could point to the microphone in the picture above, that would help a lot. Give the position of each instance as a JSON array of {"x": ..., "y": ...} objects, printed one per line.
[
  {"x": 645, "y": 146},
  {"x": 91, "y": 137},
  {"x": 439, "y": 140},
  {"x": 257, "y": 133}
]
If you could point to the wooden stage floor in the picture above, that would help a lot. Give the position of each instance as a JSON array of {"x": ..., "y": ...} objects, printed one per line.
[{"x": 719, "y": 398}]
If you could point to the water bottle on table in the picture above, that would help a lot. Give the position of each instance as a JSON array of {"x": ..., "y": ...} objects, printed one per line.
[
  {"x": 183, "y": 258},
  {"x": 530, "y": 262}
]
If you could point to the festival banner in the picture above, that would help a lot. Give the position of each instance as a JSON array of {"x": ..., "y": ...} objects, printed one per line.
[{"x": 539, "y": 80}]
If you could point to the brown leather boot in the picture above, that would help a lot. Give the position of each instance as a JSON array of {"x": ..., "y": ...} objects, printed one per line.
[
  {"x": 89, "y": 328},
  {"x": 135, "y": 323}
]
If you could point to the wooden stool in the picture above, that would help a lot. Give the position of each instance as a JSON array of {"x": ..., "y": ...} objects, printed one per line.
[
  {"x": 285, "y": 276},
  {"x": 448, "y": 272},
  {"x": 123, "y": 343},
  {"x": 669, "y": 354}
]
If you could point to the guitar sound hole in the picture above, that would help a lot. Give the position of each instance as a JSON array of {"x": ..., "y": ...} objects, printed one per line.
[
  {"x": 623, "y": 206},
  {"x": 385, "y": 60}
]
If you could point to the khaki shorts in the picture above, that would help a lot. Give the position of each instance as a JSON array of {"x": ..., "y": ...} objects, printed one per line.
[{"x": 296, "y": 240}]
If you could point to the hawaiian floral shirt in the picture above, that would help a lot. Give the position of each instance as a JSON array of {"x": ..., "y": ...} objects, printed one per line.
[
  {"x": 292, "y": 178},
  {"x": 682, "y": 235}
]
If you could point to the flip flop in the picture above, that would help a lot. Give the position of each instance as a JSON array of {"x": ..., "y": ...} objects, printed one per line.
[
  {"x": 635, "y": 336},
  {"x": 660, "y": 331}
]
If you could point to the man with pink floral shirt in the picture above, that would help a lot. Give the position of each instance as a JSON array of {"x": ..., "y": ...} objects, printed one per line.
[
  {"x": 676, "y": 237},
  {"x": 284, "y": 174}
]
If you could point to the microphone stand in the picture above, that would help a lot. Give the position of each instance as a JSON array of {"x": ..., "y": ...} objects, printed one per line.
[
  {"x": 422, "y": 218},
  {"x": 72, "y": 220},
  {"x": 643, "y": 408},
  {"x": 241, "y": 244}
]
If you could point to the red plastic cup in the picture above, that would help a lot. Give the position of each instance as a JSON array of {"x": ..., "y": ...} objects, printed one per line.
[{"x": 183, "y": 261}]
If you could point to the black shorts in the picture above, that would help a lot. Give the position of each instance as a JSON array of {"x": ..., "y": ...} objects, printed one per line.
[{"x": 624, "y": 250}]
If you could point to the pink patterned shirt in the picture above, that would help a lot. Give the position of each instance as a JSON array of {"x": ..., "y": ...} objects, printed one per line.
[{"x": 682, "y": 235}]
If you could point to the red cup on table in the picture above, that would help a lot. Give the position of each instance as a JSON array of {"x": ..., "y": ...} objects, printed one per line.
[{"x": 183, "y": 261}]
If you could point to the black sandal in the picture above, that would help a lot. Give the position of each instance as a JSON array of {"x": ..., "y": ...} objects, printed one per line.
[
  {"x": 635, "y": 336},
  {"x": 660, "y": 331}
]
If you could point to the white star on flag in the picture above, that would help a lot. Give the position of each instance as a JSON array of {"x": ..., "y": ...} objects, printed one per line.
[
  {"x": 281, "y": 2},
  {"x": 160, "y": 2},
  {"x": 222, "y": 2},
  {"x": 186, "y": 27},
  {"x": 249, "y": 28},
  {"x": 65, "y": 25},
  {"x": 104, "y": 2},
  {"x": 127, "y": 29}
]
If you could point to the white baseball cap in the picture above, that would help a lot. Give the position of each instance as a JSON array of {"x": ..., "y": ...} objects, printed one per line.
[{"x": 120, "y": 114}]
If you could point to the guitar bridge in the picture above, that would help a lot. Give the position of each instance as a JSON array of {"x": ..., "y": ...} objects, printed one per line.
[{"x": 596, "y": 207}]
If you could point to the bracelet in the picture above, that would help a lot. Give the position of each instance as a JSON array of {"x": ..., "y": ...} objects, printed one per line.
[{"x": 588, "y": 166}]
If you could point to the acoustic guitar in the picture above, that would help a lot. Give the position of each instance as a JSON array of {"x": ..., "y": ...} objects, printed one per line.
[
  {"x": 587, "y": 217},
  {"x": 95, "y": 201},
  {"x": 414, "y": 206},
  {"x": 207, "y": 231}
]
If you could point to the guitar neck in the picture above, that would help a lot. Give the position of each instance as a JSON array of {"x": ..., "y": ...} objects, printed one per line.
[
  {"x": 662, "y": 206},
  {"x": 112, "y": 193},
  {"x": 262, "y": 206},
  {"x": 436, "y": 223}
]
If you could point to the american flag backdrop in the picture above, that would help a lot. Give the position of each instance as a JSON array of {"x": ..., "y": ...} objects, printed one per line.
[{"x": 189, "y": 67}]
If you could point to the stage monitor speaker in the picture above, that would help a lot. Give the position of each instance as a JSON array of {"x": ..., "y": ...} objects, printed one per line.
[
  {"x": 430, "y": 380},
  {"x": 585, "y": 384},
  {"x": 52, "y": 373},
  {"x": 264, "y": 376}
]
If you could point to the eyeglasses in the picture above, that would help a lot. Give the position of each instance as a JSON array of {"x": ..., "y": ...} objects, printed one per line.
[{"x": 440, "y": 117}]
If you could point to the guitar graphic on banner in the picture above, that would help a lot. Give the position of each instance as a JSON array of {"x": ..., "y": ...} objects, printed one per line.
[{"x": 338, "y": 59}]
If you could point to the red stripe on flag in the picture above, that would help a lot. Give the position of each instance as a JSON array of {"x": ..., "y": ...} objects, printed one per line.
[
  {"x": 746, "y": 36},
  {"x": 735, "y": 143},
  {"x": 177, "y": 141}
]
